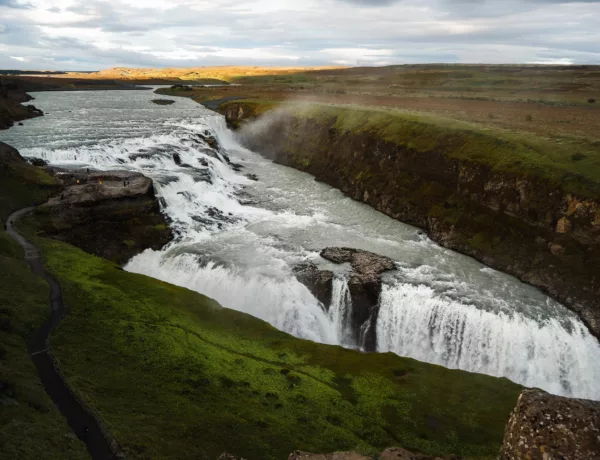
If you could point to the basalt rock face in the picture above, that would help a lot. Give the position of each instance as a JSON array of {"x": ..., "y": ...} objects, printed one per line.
[
  {"x": 320, "y": 282},
  {"x": 364, "y": 285},
  {"x": 112, "y": 214},
  {"x": 545, "y": 427},
  {"x": 12, "y": 95},
  {"x": 522, "y": 225}
]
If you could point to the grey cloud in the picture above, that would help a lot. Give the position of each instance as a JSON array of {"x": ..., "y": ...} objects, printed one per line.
[
  {"x": 447, "y": 31},
  {"x": 14, "y": 4},
  {"x": 372, "y": 2}
]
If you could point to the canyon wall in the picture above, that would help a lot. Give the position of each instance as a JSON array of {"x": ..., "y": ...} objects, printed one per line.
[
  {"x": 12, "y": 95},
  {"x": 513, "y": 221}
]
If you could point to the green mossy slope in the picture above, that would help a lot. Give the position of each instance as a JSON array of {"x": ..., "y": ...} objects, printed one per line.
[
  {"x": 21, "y": 184},
  {"x": 175, "y": 375},
  {"x": 30, "y": 425}
]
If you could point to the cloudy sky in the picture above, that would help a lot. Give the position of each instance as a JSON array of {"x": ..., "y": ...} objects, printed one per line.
[{"x": 92, "y": 34}]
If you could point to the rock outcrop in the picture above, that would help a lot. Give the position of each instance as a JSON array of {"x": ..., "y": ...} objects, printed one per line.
[
  {"x": 547, "y": 427},
  {"x": 518, "y": 223},
  {"x": 364, "y": 284},
  {"x": 320, "y": 282},
  {"x": 163, "y": 101},
  {"x": 12, "y": 95},
  {"x": 112, "y": 214}
]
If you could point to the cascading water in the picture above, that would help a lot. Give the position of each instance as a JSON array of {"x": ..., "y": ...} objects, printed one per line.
[
  {"x": 414, "y": 322},
  {"x": 238, "y": 240},
  {"x": 340, "y": 311}
]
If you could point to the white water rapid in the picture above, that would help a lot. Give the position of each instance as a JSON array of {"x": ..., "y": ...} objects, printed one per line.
[{"x": 239, "y": 239}]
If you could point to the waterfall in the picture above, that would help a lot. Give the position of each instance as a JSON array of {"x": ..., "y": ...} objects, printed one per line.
[
  {"x": 340, "y": 311},
  {"x": 413, "y": 321},
  {"x": 282, "y": 301}
]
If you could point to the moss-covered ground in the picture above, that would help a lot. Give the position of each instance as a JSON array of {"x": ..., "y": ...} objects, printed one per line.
[
  {"x": 175, "y": 375},
  {"x": 30, "y": 425},
  {"x": 22, "y": 185}
]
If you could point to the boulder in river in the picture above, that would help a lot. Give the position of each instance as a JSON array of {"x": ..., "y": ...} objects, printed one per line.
[
  {"x": 364, "y": 284},
  {"x": 320, "y": 282},
  {"x": 163, "y": 101},
  {"x": 547, "y": 427},
  {"x": 210, "y": 140}
]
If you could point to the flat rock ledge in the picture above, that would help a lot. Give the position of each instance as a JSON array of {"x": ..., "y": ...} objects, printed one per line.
[
  {"x": 83, "y": 188},
  {"x": 112, "y": 214},
  {"x": 367, "y": 266},
  {"x": 547, "y": 427}
]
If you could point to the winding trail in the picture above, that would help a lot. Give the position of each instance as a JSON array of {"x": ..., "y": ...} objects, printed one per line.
[{"x": 85, "y": 424}]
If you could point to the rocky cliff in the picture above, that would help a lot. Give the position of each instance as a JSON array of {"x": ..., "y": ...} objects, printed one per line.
[
  {"x": 512, "y": 220},
  {"x": 12, "y": 95},
  {"x": 544, "y": 427},
  {"x": 112, "y": 214}
]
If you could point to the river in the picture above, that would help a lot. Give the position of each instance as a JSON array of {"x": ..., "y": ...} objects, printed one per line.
[{"x": 238, "y": 240}]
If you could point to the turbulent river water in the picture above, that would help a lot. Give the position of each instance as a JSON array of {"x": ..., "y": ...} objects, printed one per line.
[{"x": 238, "y": 240}]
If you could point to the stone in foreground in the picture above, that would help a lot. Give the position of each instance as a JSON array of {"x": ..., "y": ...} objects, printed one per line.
[{"x": 547, "y": 427}]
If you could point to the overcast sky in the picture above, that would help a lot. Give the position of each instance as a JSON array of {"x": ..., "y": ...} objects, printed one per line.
[{"x": 91, "y": 34}]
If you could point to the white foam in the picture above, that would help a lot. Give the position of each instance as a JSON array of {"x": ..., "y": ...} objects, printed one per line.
[
  {"x": 414, "y": 321},
  {"x": 285, "y": 303}
]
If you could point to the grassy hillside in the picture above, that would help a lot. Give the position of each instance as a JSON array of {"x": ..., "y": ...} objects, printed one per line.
[
  {"x": 572, "y": 164},
  {"x": 177, "y": 376},
  {"x": 21, "y": 184},
  {"x": 30, "y": 424}
]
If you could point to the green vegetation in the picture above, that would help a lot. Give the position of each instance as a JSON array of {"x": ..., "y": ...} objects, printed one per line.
[
  {"x": 499, "y": 149},
  {"x": 176, "y": 375},
  {"x": 30, "y": 424},
  {"x": 21, "y": 184}
]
